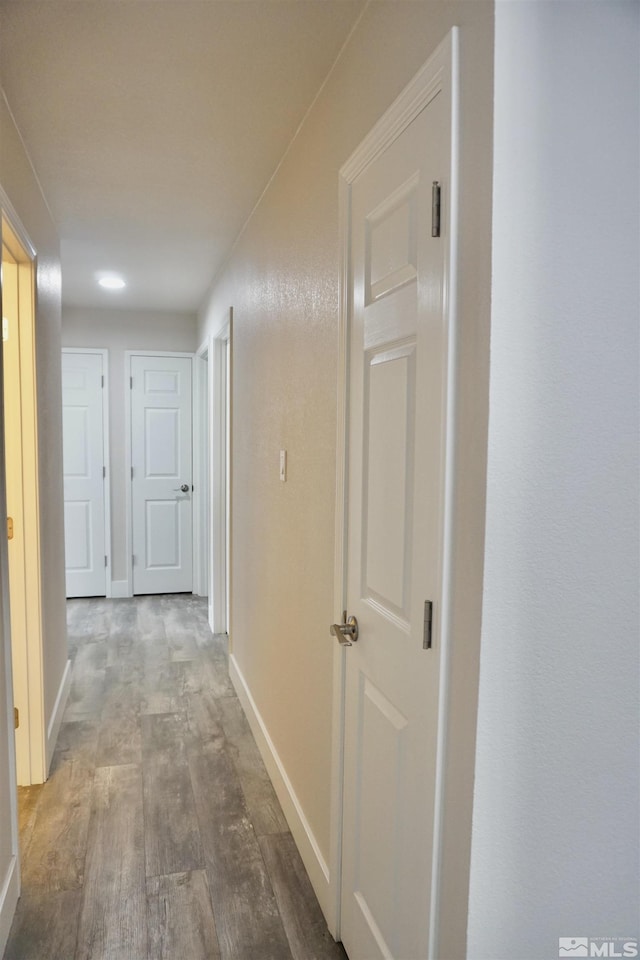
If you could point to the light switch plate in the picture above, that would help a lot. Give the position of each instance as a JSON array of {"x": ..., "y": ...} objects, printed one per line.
[{"x": 283, "y": 465}]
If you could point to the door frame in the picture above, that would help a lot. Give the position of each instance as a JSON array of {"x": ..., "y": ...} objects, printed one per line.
[
  {"x": 219, "y": 447},
  {"x": 220, "y": 473},
  {"x": 128, "y": 354},
  {"x": 441, "y": 67},
  {"x": 106, "y": 447},
  {"x": 201, "y": 480},
  {"x": 33, "y": 717},
  {"x": 10, "y": 883}
]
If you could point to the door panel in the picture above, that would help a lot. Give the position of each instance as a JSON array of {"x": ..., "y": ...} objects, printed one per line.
[
  {"x": 387, "y": 494},
  {"x": 161, "y": 462},
  {"x": 79, "y": 535},
  {"x": 163, "y": 534},
  {"x": 83, "y": 458},
  {"x": 397, "y": 419}
]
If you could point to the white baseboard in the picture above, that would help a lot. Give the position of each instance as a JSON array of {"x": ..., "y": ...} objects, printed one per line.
[
  {"x": 315, "y": 864},
  {"x": 119, "y": 589},
  {"x": 56, "y": 716},
  {"x": 9, "y": 893}
]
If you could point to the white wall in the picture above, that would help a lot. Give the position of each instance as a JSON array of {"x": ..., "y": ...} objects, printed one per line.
[
  {"x": 117, "y": 331},
  {"x": 555, "y": 826},
  {"x": 282, "y": 281}
]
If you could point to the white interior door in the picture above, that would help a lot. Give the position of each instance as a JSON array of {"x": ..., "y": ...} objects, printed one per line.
[
  {"x": 84, "y": 474},
  {"x": 161, "y": 482},
  {"x": 396, "y": 468}
]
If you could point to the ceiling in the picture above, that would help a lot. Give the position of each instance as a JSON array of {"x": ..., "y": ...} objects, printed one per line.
[{"x": 155, "y": 125}]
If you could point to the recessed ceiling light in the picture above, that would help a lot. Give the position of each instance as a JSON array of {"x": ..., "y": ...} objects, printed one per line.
[{"x": 111, "y": 281}]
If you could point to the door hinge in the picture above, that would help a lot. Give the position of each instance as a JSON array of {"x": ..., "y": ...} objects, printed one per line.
[
  {"x": 428, "y": 619},
  {"x": 16, "y": 718},
  {"x": 133, "y": 559},
  {"x": 9, "y": 528},
  {"x": 435, "y": 209},
  {"x": 132, "y": 473},
  {"x": 102, "y": 380},
  {"x": 105, "y": 560},
  {"x": 130, "y": 383},
  {"x": 104, "y": 472}
]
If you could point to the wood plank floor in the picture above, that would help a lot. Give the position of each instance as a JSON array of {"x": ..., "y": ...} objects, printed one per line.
[{"x": 158, "y": 835}]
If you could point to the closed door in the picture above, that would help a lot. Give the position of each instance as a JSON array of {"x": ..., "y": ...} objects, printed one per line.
[
  {"x": 161, "y": 405},
  {"x": 84, "y": 481},
  {"x": 397, "y": 433}
]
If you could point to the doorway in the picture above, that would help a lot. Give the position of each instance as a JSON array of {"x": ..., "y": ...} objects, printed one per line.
[
  {"x": 212, "y": 472},
  {"x": 21, "y": 469},
  {"x": 201, "y": 478},
  {"x": 220, "y": 472}
]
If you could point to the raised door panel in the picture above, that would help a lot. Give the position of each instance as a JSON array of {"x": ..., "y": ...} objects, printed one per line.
[{"x": 387, "y": 492}]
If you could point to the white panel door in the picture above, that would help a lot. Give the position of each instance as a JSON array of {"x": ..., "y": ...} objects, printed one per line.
[
  {"x": 397, "y": 385},
  {"x": 161, "y": 405},
  {"x": 84, "y": 484}
]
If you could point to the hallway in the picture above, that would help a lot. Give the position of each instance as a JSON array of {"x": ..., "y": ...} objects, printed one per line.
[{"x": 158, "y": 834}]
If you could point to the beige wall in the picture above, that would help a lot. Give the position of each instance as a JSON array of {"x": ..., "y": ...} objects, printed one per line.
[
  {"x": 19, "y": 184},
  {"x": 117, "y": 331},
  {"x": 282, "y": 281}
]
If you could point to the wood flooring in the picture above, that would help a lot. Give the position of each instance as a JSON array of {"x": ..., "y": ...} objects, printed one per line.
[{"x": 158, "y": 835}]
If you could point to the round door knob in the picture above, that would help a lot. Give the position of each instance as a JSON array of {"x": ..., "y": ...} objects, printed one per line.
[{"x": 185, "y": 487}]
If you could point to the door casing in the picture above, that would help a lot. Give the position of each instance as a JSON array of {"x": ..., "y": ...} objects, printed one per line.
[
  {"x": 220, "y": 472},
  {"x": 201, "y": 477},
  {"x": 216, "y": 473},
  {"x": 10, "y": 880},
  {"x": 34, "y": 758},
  {"x": 442, "y": 63},
  {"x": 211, "y": 462}
]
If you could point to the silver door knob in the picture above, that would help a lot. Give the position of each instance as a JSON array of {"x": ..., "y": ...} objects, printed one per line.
[
  {"x": 183, "y": 488},
  {"x": 347, "y": 631}
]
